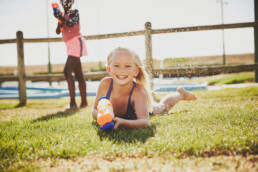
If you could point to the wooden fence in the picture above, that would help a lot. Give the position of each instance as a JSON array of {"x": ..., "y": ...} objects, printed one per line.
[{"x": 148, "y": 32}]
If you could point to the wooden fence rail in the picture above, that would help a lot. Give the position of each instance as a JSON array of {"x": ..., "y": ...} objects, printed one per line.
[
  {"x": 205, "y": 71},
  {"x": 138, "y": 33},
  {"x": 147, "y": 33},
  {"x": 202, "y": 28},
  {"x": 171, "y": 72}
]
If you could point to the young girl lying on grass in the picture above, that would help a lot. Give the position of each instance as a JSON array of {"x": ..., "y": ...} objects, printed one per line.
[{"x": 128, "y": 90}]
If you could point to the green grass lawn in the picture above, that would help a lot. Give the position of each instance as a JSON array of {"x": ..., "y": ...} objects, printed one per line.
[
  {"x": 235, "y": 78},
  {"x": 221, "y": 122}
]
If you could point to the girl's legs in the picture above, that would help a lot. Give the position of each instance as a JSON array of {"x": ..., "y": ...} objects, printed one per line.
[
  {"x": 170, "y": 100},
  {"x": 82, "y": 84},
  {"x": 68, "y": 69}
]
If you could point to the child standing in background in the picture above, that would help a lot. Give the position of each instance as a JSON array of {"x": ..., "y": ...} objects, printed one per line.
[
  {"x": 70, "y": 27},
  {"x": 128, "y": 90}
]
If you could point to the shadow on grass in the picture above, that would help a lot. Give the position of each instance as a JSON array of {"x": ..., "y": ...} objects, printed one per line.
[
  {"x": 6, "y": 106},
  {"x": 125, "y": 135},
  {"x": 61, "y": 114}
]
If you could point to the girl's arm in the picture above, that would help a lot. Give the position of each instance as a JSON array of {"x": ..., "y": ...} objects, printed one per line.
[
  {"x": 138, "y": 123},
  {"x": 58, "y": 28},
  {"x": 102, "y": 90},
  {"x": 59, "y": 25},
  {"x": 139, "y": 98}
]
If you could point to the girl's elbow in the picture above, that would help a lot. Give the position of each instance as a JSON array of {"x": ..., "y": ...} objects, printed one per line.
[{"x": 58, "y": 31}]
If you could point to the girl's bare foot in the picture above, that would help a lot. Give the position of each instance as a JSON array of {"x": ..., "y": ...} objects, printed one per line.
[
  {"x": 83, "y": 105},
  {"x": 186, "y": 95},
  {"x": 72, "y": 107}
]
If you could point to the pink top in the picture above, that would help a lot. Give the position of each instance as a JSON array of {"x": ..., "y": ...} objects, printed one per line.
[{"x": 70, "y": 32}]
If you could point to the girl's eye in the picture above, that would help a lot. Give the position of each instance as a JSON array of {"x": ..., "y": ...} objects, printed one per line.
[
  {"x": 116, "y": 65},
  {"x": 128, "y": 66}
]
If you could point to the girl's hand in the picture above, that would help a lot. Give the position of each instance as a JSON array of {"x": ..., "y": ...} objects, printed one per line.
[
  {"x": 118, "y": 122},
  {"x": 59, "y": 16},
  {"x": 56, "y": 15}
]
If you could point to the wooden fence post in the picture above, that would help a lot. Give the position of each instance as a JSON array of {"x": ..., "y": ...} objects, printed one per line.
[
  {"x": 21, "y": 69},
  {"x": 148, "y": 50},
  {"x": 256, "y": 39}
]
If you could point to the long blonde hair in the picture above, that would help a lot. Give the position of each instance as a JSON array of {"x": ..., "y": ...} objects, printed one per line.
[{"x": 142, "y": 78}]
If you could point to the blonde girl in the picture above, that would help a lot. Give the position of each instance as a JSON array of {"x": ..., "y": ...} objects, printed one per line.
[{"x": 129, "y": 92}]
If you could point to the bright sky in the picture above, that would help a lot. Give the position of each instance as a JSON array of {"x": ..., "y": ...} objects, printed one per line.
[{"x": 113, "y": 16}]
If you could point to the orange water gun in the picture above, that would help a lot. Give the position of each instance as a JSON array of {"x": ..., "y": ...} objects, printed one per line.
[
  {"x": 105, "y": 114},
  {"x": 57, "y": 12}
]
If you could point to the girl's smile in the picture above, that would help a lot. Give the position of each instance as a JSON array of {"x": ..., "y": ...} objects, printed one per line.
[
  {"x": 121, "y": 77},
  {"x": 122, "y": 68}
]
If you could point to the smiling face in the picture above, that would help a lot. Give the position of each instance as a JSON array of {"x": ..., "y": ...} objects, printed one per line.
[{"x": 122, "y": 68}]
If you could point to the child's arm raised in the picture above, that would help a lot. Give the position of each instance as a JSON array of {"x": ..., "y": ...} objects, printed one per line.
[
  {"x": 139, "y": 98},
  {"x": 58, "y": 28},
  {"x": 58, "y": 14}
]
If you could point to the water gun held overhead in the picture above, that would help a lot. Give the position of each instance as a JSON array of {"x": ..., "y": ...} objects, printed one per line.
[
  {"x": 55, "y": 7},
  {"x": 57, "y": 13},
  {"x": 105, "y": 114}
]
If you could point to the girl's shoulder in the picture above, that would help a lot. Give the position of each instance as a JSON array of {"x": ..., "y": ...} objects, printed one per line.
[
  {"x": 74, "y": 12},
  {"x": 139, "y": 91},
  {"x": 105, "y": 82},
  {"x": 103, "y": 86}
]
